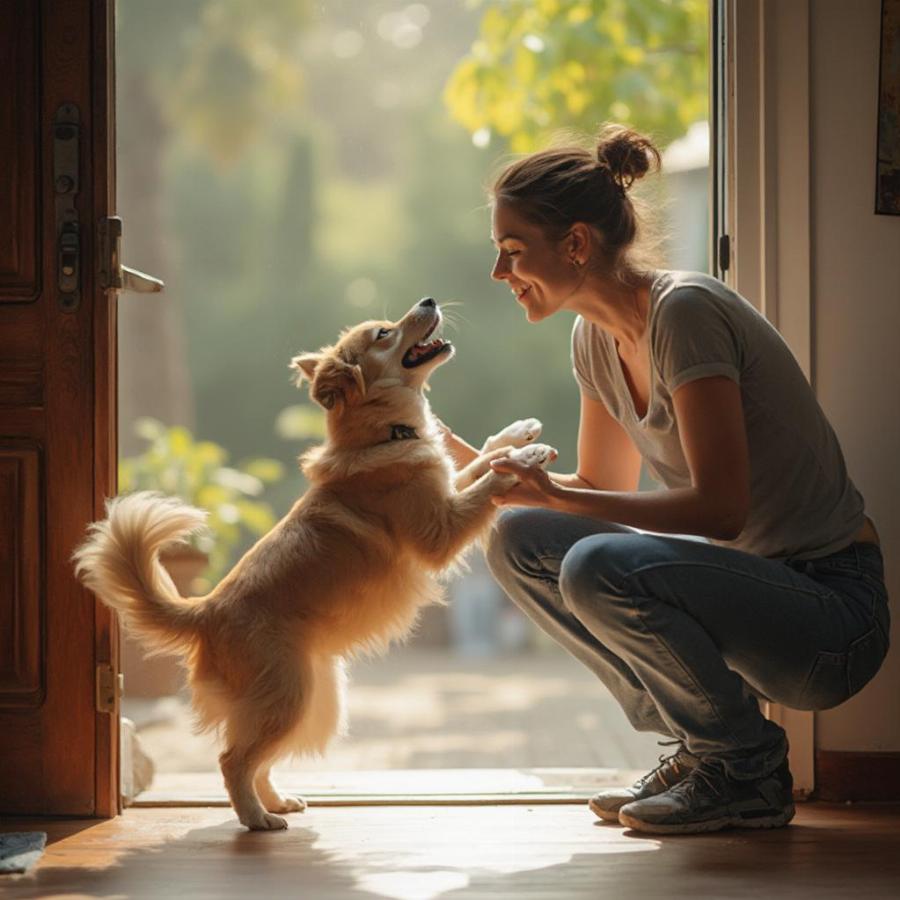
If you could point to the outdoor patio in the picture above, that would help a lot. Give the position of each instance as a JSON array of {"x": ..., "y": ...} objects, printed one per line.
[{"x": 429, "y": 708}]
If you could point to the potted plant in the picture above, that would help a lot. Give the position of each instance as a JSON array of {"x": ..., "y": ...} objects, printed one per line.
[{"x": 175, "y": 463}]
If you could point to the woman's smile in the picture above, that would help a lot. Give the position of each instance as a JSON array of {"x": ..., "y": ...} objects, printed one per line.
[{"x": 523, "y": 251}]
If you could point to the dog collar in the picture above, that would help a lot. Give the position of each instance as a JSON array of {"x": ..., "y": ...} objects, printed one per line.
[{"x": 403, "y": 433}]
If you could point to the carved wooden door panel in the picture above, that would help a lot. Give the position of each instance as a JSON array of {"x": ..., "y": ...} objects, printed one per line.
[{"x": 58, "y": 732}]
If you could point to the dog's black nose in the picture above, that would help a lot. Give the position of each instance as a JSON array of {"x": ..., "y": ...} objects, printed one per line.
[{"x": 427, "y": 301}]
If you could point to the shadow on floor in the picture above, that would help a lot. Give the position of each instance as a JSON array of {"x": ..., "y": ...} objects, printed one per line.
[{"x": 831, "y": 853}]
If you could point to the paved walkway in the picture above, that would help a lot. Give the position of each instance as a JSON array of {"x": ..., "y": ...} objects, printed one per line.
[{"x": 429, "y": 709}]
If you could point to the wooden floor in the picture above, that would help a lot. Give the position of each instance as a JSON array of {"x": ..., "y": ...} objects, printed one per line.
[{"x": 423, "y": 852}]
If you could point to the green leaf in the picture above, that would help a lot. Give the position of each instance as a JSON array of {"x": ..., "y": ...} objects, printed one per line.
[
  {"x": 641, "y": 62},
  {"x": 149, "y": 429},
  {"x": 267, "y": 470},
  {"x": 256, "y": 517},
  {"x": 180, "y": 441},
  {"x": 176, "y": 464},
  {"x": 300, "y": 422},
  {"x": 238, "y": 482}
]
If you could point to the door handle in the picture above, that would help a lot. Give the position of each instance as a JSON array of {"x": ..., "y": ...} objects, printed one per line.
[
  {"x": 140, "y": 282},
  {"x": 113, "y": 275}
]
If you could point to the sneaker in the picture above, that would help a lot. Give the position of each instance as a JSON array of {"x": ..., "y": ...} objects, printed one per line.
[
  {"x": 709, "y": 800},
  {"x": 668, "y": 773}
]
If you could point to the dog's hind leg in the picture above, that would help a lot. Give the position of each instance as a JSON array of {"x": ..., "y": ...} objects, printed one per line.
[
  {"x": 271, "y": 799},
  {"x": 323, "y": 717},
  {"x": 325, "y": 714},
  {"x": 256, "y": 731},
  {"x": 240, "y": 763}
]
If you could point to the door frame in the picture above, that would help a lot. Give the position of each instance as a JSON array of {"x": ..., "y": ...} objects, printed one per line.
[
  {"x": 767, "y": 214},
  {"x": 106, "y": 629}
]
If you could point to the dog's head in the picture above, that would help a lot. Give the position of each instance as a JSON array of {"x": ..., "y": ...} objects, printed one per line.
[{"x": 376, "y": 354}]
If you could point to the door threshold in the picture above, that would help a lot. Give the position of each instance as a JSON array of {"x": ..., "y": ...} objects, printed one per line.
[{"x": 401, "y": 787}]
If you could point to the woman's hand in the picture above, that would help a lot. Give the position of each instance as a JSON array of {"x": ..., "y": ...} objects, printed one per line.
[{"x": 535, "y": 487}]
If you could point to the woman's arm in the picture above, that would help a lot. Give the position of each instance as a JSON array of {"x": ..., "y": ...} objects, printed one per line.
[
  {"x": 710, "y": 421},
  {"x": 607, "y": 457}
]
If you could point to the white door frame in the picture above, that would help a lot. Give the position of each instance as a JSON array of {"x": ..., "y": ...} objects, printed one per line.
[{"x": 768, "y": 134}]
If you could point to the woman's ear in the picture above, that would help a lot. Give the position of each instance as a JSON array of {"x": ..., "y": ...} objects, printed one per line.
[
  {"x": 578, "y": 243},
  {"x": 336, "y": 381}
]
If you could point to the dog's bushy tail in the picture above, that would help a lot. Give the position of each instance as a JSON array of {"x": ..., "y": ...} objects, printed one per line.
[{"x": 119, "y": 561}]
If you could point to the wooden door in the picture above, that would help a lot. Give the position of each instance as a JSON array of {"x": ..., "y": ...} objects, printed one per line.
[{"x": 58, "y": 751}]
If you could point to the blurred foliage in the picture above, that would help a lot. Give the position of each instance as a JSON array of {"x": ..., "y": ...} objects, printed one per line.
[
  {"x": 541, "y": 65},
  {"x": 350, "y": 203},
  {"x": 221, "y": 70},
  {"x": 301, "y": 422},
  {"x": 197, "y": 472}
]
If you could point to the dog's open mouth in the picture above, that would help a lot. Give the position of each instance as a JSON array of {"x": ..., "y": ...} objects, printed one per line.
[{"x": 424, "y": 350}]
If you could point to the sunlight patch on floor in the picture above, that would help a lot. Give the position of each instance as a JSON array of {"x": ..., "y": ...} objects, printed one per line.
[{"x": 450, "y": 856}]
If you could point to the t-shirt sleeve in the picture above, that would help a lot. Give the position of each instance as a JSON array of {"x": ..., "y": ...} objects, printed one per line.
[
  {"x": 581, "y": 367},
  {"x": 694, "y": 338}
]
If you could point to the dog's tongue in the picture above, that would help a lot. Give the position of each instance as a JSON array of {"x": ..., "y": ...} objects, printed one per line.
[{"x": 420, "y": 350}]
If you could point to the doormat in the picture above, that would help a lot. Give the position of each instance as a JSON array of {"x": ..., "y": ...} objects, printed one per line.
[{"x": 20, "y": 849}]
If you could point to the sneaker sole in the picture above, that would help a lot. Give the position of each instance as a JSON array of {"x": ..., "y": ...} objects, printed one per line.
[
  {"x": 776, "y": 821},
  {"x": 608, "y": 815}
]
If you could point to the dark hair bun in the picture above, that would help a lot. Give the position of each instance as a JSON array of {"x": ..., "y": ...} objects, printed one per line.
[{"x": 627, "y": 154}]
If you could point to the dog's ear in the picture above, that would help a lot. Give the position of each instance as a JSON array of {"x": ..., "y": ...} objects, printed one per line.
[
  {"x": 304, "y": 366},
  {"x": 336, "y": 381}
]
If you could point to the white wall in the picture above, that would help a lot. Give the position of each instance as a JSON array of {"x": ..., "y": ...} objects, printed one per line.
[{"x": 856, "y": 319}]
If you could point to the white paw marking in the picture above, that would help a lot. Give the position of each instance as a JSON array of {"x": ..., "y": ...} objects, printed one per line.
[
  {"x": 533, "y": 454},
  {"x": 518, "y": 434}
]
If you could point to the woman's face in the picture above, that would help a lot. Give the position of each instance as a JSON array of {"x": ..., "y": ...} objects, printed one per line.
[{"x": 538, "y": 271}]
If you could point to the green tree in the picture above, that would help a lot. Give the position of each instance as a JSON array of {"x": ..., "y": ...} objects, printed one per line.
[
  {"x": 230, "y": 71},
  {"x": 540, "y": 64}
]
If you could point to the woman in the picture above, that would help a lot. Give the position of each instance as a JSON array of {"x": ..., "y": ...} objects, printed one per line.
[{"x": 782, "y": 597}]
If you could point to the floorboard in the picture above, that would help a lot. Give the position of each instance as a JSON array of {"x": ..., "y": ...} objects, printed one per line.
[{"x": 552, "y": 852}]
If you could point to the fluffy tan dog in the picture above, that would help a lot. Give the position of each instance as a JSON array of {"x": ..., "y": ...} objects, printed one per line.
[{"x": 345, "y": 571}]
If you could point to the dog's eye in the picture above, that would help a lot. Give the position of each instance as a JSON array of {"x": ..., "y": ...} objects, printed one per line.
[{"x": 382, "y": 332}]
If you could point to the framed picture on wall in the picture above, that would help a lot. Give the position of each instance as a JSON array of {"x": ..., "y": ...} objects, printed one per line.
[{"x": 887, "y": 187}]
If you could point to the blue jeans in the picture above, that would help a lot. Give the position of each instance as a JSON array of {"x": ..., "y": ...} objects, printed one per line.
[{"x": 688, "y": 636}]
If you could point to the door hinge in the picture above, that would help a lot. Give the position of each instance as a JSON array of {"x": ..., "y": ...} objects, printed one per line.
[
  {"x": 724, "y": 252},
  {"x": 109, "y": 687}
]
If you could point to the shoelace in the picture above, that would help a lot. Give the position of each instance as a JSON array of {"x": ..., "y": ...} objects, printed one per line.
[
  {"x": 706, "y": 775},
  {"x": 663, "y": 762}
]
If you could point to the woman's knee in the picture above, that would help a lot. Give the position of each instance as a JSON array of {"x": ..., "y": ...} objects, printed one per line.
[
  {"x": 595, "y": 567},
  {"x": 510, "y": 542}
]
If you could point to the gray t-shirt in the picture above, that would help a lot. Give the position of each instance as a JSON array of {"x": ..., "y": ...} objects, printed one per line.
[{"x": 802, "y": 501}]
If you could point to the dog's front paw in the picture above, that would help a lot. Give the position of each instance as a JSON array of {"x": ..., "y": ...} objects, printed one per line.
[
  {"x": 533, "y": 455},
  {"x": 520, "y": 433}
]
